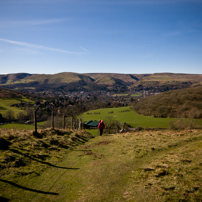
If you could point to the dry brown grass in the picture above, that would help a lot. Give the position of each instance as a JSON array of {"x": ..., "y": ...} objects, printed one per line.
[{"x": 172, "y": 173}]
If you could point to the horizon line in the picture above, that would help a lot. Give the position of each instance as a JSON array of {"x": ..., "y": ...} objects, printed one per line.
[{"x": 98, "y": 73}]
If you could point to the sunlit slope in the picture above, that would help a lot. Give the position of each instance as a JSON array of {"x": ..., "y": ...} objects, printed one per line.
[{"x": 127, "y": 115}]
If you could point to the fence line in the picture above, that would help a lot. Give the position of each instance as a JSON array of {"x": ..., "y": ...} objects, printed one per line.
[
  {"x": 62, "y": 121},
  {"x": 74, "y": 123}
]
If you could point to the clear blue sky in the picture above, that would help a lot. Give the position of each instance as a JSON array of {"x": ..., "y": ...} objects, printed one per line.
[{"x": 112, "y": 36}]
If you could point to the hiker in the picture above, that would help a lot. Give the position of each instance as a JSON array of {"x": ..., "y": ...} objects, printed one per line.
[{"x": 101, "y": 127}]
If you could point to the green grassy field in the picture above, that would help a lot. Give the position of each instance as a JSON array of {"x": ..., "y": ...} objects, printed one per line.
[
  {"x": 135, "y": 95},
  {"x": 23, "y": 126},
  {"x": 121, "y": 94},
  {"x": 163, "y": 166},
  {"x": 6, "y": 105},
  {"x": 17, "y": 126},
  {"x": 126, "y": 114}
]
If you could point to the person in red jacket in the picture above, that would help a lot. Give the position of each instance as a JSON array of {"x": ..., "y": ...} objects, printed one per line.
[{"x": 101, "y": 127}]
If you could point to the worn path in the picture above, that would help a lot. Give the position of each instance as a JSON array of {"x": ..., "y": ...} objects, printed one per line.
[{"x": 124, "y": 167}]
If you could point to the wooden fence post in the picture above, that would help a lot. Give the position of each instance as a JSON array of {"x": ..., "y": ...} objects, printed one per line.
[
  {"x": 64, "y": 122},
  {"x": 35, "y": 122},
  {"x": 52, "y": 122},
  {"x": 80, "y": 124},
  {"x": 77, "y": 124},
  {"x": 71, "y": 122}
]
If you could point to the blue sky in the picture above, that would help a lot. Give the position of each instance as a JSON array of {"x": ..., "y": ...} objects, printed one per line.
[{"x": 112, "y": 36}]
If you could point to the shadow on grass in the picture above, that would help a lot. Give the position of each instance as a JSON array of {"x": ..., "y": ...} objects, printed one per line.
[
  {"x": 82, "y": 150},
  {"x": 79, "y": 140},
  {"x": 2, "y": 199},
  {"x": 28, "y": 189},
  {"x": 49, "y": 164}
]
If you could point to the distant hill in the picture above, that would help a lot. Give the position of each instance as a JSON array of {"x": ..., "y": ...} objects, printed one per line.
[
  {"x": 183, "y": 103},
  {"x": 100, "y": 81},
  {"x": 4, "y": 79}
]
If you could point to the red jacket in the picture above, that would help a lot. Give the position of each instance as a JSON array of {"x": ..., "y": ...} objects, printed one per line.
[{"x": 101, "y": 125}]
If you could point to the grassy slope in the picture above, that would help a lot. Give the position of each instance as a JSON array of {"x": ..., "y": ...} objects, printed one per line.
[
  {"x": 49, "y": 79},
  {"x": 169, "y": 77},
  {"x": 5, "y": 104},
  {"x": 178, "y": 103},
  {"x": 141, "y": 166},
  {"x": 125, "y": 114}
]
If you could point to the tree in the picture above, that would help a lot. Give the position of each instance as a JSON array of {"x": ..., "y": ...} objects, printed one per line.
[
  {"x": 112, "y": 125},
  {"x": 10, "y": 116},
  {"x": 21, "y": 117}
]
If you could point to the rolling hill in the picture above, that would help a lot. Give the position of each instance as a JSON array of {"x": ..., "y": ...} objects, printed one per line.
[
  {"x": 105, "y": 81},
  {"x": 183, "y": 103}
]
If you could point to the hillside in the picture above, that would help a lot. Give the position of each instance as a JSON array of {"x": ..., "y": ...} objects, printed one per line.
[
  {"x": 184, "y": 103},
  {"x": 168, "y": 81},
  {"x": 5, "y": 93},
  {"x": 67, "y": 166},
  {"x": 12, "y": 104},
  {"x": 106, "y": 81}
]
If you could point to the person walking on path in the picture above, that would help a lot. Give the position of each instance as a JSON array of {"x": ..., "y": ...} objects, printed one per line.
[{"x": 101, "y": 127}]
